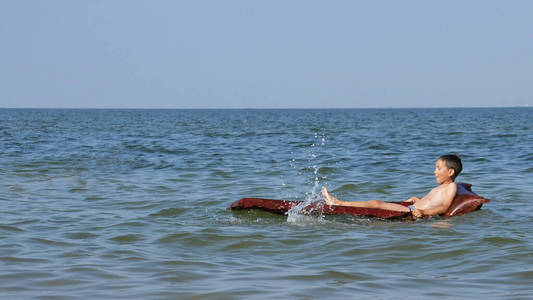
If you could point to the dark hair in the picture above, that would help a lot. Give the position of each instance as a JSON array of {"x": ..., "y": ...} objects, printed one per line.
[{"x": 452, "y": 162}]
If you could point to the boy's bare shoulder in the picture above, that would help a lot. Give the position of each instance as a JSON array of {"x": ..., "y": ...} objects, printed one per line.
[
  {"x": 446, "y": 190},
  {"x": 452, "y": 187},
  {"x": 449, "y": 190},
  {"x": 447, "y": 186}
]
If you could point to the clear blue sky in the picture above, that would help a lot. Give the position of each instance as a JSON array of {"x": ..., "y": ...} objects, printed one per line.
[{"x": 264, "y": 54}]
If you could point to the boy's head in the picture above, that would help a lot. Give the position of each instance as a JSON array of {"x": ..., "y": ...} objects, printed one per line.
[{"x": 452, "y": 163}]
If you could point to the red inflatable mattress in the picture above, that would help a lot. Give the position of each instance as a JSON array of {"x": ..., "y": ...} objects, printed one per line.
[{"x": 464, "y": 202}]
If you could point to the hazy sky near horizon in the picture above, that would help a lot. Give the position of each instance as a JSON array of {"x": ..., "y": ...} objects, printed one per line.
[{"x": 265, "y": 54}]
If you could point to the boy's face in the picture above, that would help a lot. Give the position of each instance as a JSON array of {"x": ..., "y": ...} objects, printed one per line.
[{"x": 442, "y": 172}]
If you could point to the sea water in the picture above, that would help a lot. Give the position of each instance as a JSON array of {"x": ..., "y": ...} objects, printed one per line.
[{"x": 132, "y": 204}]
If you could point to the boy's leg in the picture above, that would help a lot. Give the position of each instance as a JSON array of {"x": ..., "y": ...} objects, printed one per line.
[{"x": 330, "y": 200}]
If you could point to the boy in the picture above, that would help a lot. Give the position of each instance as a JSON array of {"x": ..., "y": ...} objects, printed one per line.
[{"x": 436, "y": 202}]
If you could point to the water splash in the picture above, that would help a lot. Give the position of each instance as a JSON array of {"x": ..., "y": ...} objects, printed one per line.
[{"x": 310, "y": 209}]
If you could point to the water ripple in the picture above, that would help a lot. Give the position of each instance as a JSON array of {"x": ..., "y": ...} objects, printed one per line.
[{"x": 100, "y": 203}]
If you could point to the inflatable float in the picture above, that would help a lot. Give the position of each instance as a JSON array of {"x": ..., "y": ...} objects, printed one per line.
[{"x": 465, "y": 201}]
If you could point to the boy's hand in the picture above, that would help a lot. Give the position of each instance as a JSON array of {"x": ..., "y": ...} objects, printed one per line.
[
  {"x": 412, "y": 200},
  {"x": 417, "y": 213}
]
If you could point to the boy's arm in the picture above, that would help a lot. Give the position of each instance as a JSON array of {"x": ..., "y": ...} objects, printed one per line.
[{"x": 448, "y": 196}]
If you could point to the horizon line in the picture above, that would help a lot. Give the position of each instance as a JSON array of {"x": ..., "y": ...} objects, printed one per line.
[{"x": 266, "y": 108}]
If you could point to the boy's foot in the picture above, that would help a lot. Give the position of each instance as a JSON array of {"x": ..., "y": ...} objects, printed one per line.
[{"x": 329, "y": 199}]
